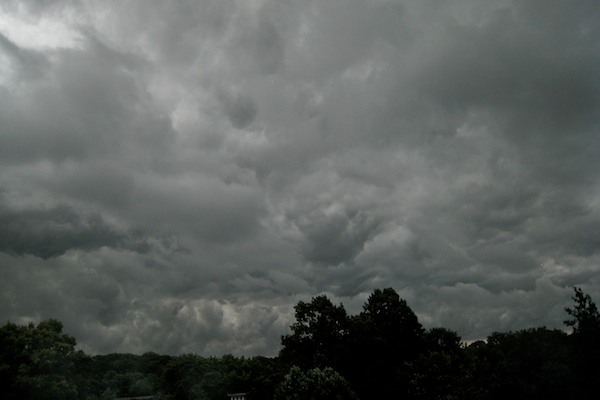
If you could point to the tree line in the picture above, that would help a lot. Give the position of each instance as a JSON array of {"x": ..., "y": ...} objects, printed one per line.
[{"x": 382, "y": 352}]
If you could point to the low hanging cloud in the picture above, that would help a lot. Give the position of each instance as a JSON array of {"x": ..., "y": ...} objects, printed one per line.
[
  {"x": 175, "y": 176},
  {"x": 52, "y": 232}
]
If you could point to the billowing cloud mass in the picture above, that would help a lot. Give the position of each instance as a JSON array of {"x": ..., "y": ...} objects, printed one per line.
[{"x": 175, "y": 176}]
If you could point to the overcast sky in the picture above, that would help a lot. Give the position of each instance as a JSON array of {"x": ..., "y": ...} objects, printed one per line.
[{"x": 176, "y": 175}]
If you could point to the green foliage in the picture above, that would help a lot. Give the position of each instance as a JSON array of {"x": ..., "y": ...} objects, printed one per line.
[
  {"x": 108, "y": 394},
  {"x": 527, "y": 364},
  {"x": 257, "y": 376},
  {"x": 125, "y": 375},
  {"x": 315, "y": 384},
  {"x": 437, "y": 372},
  {"x": 36, "y": 362}
]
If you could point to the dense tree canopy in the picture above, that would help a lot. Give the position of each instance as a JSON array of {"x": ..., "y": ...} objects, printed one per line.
[
  {"x": 386, "y": 336},
  {"x": 387, "y": 353},
  {"x": 36, "y": 361},
  {"x": 314, "y": 384},
  {"x": 382, "y": 352}
]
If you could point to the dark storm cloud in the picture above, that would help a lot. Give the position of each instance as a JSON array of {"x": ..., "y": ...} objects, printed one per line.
[
  {"x": 52, "y": 232},
  {"x": 334, "y": 239},
  {"x": 240, "y": 109},
  {"x": 180, "y": 184}
]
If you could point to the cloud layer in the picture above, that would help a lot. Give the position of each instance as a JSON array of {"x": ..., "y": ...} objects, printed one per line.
[{"x": 175, "y": 176}]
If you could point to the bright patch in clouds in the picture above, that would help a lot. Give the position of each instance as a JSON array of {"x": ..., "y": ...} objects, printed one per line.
[{"x": 53, "y": 32}]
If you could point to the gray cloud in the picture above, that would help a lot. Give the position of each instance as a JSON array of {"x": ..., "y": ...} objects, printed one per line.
[
  {"x": 337, "y": 238},
  {"x": 240, "y": 109},
  {"x": 52, "y": 232},
  {"x": 179, "y": 185},
  {"x": 22, "y": 63}
]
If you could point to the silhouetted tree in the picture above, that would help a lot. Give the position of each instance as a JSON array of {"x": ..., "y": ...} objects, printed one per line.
[
  {"x": 438, "y": 371},
  {"x": 386, "y": 336},
  {"x": 319, "y": 335},
  {"x": 529, "y": 364},
  {"x": 585, "y": 322},
  {"x": 585, "y": 317}
]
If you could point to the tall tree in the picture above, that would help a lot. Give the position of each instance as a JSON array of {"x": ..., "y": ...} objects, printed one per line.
[
  {"x": 585, "y": 321},
  {"x": 585, "y": 317},
  {"x": 319, "y": 335},
  {"x": 438, "y": 371},
  {"x": 386, "y": 336}
]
